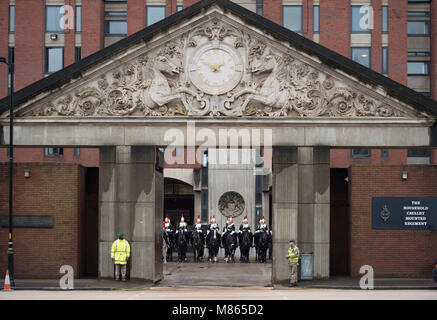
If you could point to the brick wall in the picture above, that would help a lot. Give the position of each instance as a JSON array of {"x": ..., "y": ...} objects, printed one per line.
[
  {"x": 272, "y": 9},
  {"x": 70, "y": 37},
  {"x": 341, "y": 158},
  {"x": 376, "y": 33},
  {"x": 29, "y": 41},
  {"x": 307, "y": 19},
  {"x": 92, "y": 27},
  {"x": 335, "y": 18},
  {"x": 434, "y": 50},
  {"x": 136, "y": 16},
  {"x": 89, "y": 157},
  {"x": 390, "y": 252},
  {"x": 54, "y": 190},
  {"x": 170, "y": 7},
  {"x": 397, "y": 40},
  {"x": 4, "y": 40}
]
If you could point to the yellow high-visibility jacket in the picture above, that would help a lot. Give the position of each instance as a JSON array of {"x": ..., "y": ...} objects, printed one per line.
[
  {"x": 294, "y": 252},
  {"x": 120, "y": 251}
]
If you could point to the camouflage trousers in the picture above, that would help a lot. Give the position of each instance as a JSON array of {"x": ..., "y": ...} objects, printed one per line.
[{"x": 293, "y": 271}]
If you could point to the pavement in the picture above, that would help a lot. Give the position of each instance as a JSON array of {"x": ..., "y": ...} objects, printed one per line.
[{"x": 224, "y": 275}]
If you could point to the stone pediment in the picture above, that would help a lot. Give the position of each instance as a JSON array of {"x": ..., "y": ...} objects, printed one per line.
[{"x": 216, "y": 65}]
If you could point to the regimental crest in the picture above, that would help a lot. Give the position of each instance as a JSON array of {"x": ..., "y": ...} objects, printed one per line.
[{"x": 385, "y": 213}]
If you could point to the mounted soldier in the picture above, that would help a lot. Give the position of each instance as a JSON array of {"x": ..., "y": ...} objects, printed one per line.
[
  {"x": 213, "y": 239},
  {"x": 198, "y": 240},
  {"x": 182, "y": 239},
  {"x": 229, "y": 239},
  {"x": 261, "y": 240},
  {"x": 245, "y": 240},
  {"x": 169, "y": 238}
]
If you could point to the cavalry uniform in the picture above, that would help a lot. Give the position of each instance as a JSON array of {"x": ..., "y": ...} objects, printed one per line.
[
  {"x": 245, "y": 227},
  {"x": 213, "y": 229},
  {"x": 168, "y": 235},
  {"x": 120, "y": 253},
  {"x": 261, "y": 225},
  {"x": 293, "y": 262},
  {"x": 182, "y": 228},
  {"x": 198, "y": 228},
  {"x": 228, "y": 230}
]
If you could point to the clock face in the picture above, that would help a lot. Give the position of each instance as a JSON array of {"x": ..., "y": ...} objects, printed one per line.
[{"x": 216, "y": 70}]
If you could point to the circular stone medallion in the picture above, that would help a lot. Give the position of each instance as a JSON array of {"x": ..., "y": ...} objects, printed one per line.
[{"x": 231, "y": 203}]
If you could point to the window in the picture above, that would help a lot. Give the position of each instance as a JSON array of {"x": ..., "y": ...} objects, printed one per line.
[
  {"x": 384, "y": 15},
  {"x": 418, "y": 27},
  {"x": 418, "y": 14},
  {"x": 53, "y": 18},
  {"x": 418, "y": 54},
  {"x": 361, "y": 55},
  {"x": 77, "y": 152},
  {"x": 77, "y": 54},
  {"x": 384, "y": 60},
  {"x": 418, "y": 153},
  {"x": 418, "y": 68},
  {"x": 316, "y": 19},
  {"x": 384, "y": 153},
  {"x": 360, "y": 153},
  {"x": 179, "y": 8},
  {"x": 154, "y": 14},
  {"x": 53, "y": 152},
  {"x": 11, "y": 18},
  {"x": 360, "y": 19},
  {"x": 78, "y": 19},
  {"x": 292, "y": 17},
  {"x": 54, "y": 59},
  {"x": 260, "y": 7},
  {"x": 115, "y": 27},
  {"x": 117, "y": 14}
]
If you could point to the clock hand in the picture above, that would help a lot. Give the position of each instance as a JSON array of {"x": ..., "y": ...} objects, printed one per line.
[
  {"x": 213, "y": 68},
  {"x": 217, "y": 67}
]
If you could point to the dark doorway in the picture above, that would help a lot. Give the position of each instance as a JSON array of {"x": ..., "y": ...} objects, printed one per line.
[
  {"x": 339, "y": 223},
  {"x": 91, "y": 223},
  {"x": 178, "y": 200}
]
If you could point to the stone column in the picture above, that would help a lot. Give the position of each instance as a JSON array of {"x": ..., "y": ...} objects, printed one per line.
[
  {"x": 284, "y": 218},
  {"x": 131, "y": 201},
  {"x": 313, "y": 217}
]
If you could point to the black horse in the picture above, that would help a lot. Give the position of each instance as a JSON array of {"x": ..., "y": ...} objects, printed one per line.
[
  {"x": 213, "y": 240},
  {"x": 169, "y": 239},
  {"x": 182, "y": 240},
  {"x": 230, "y": 243},
  {"x": 261, "y": 243},
  {"x": 197, "y": 241},
  {"x": 245, "y": 241}
]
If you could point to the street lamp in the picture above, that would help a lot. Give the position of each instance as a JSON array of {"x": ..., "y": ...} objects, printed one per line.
[{"x": 10, "y": 65}]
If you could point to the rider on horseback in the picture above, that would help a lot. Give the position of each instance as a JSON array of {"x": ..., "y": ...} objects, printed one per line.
[
  {"x": 245, "y": 247},
  {"x": 169, "y": 238},
  {"x": 213, "y": 239},
  {"x": 182, "y": 243},
  {"x": 229, "y": 229},
  {"x": 198, "y": 228}
]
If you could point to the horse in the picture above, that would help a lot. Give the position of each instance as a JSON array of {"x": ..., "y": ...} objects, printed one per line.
[
  {"x": 197, "y": 241},
  {"x": 182, "y": 244},
  {"x": 213, "y": 240},
  {"x": 261, "y": 245},
  {"x": 270, "y": 245},
  {"x": 169, "y": 239},
  {"x": 273, "y": 93},
  {"x": 245, "y": 242},
  {"x": 230, "y": 244}
]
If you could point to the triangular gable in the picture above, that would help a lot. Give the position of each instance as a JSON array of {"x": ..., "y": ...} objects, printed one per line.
[{"x": 269, "y": 72}]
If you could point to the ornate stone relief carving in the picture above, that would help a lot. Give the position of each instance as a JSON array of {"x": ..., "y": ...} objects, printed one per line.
[
  {"x": 262, "y": 82},
  {"x": 231, "y": 203}
]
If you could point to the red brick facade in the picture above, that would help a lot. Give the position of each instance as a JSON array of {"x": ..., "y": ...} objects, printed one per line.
[
  {"x": 92, "y": 27},
  {"x": 397, "y": 40},
  {"x": 272, "y": 10},
  {"x": 29, "y": 42},
  {"x": 376, "y": 40},
  {"x": 55, "y": 190},
  {"x": 434, "y": 50},
  {"x": 136, "y": 16},
  {"x": 389, "y": 252},
  {"x": 70, "y": 37},
  {"x": 335, "y": 17},
  {"x": 4, "y": 39}
]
